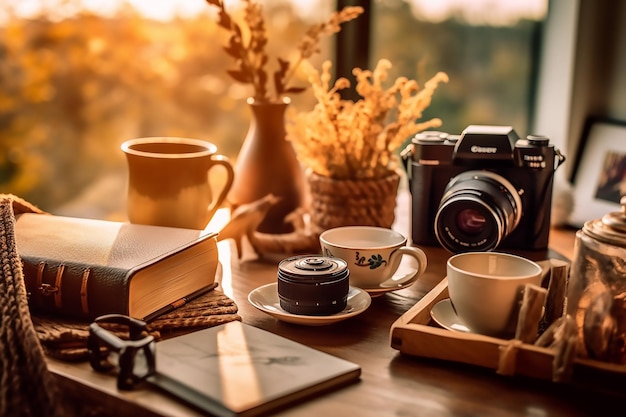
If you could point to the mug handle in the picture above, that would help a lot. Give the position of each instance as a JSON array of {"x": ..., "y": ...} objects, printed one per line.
[
  {"x": 230, "y": 172},
  {"x": 416, "y": 253}
]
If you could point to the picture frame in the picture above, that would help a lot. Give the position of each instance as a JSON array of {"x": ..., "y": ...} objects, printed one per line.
[{"x": 599, "y": 176}]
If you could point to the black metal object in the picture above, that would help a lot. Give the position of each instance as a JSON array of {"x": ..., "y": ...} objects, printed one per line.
[{"x": 102, "y": 344}]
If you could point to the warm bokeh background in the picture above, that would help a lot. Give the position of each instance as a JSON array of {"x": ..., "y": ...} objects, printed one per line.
[{"x": 74, "y": 84}]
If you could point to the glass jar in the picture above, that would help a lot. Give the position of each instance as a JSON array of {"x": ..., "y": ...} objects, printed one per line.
[{"x": 597, "y": 288}]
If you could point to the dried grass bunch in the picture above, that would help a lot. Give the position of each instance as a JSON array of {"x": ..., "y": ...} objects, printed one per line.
[
  {"x": 247, "y": 44},
  {"x": 342, "y": 139}
]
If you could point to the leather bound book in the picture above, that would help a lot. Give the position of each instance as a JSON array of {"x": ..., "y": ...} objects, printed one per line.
[{"x": 85, "y": 268}]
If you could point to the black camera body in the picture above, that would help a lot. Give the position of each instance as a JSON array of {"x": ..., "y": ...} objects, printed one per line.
[{"x": 484, "y": 189}]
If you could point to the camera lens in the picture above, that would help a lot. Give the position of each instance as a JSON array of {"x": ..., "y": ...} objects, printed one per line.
[
  {"x": 470, "y": 221},
  {"x": 477, "y": 211}
]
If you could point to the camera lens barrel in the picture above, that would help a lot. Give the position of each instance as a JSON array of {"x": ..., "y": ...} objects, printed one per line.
[
  {"x": 313, "y": 285},
  {"x": 477, "y": 211}
]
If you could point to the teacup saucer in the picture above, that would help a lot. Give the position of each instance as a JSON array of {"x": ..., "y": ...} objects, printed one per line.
[
  {"x": 404, "y": 277},
  {"x": 265, "y": 298},
  {"x": 444, "y": 315}
]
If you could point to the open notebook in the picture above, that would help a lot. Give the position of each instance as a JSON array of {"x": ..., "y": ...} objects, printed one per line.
[{"x": 239, "y": 370}]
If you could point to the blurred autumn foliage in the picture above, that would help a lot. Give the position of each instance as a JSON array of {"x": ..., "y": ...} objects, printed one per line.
[{"x": 71, "y": 91}]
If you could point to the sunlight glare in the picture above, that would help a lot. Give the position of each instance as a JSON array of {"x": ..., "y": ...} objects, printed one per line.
[
  {"x": 168, "y": 9},
  {"x": 158, "y": 10},
  {"x": 493, "y": 12}
]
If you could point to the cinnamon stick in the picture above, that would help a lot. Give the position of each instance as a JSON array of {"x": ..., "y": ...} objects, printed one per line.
[
  {"x": 555, "y": 303},
  {"x": 530, "y": 313}
]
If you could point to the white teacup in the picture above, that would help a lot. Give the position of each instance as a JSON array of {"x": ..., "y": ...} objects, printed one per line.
[
  {"x": 373, "y": 253},
  {"x": 486, "y": 289}
]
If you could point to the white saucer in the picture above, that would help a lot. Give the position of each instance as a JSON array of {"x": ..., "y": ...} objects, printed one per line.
[
  {"x": 404, "y": 277},
  {"x": 265, "y": 298},
  {"x": 444, "y": 315}
]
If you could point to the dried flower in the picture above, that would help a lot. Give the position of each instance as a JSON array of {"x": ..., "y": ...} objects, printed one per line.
[
  {"x": 349, "y": 140},
  {"x": 247, "y": 44}
]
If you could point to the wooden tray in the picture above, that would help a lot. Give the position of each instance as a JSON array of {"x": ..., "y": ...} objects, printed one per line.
[{"x": 415, "y": 333}]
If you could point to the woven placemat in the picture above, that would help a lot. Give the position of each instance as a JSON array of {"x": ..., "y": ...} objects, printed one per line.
[{"x": 66, "y": 339}]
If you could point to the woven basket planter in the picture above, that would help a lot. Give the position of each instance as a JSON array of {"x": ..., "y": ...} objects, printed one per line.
[{"x": 335, "y": 203}]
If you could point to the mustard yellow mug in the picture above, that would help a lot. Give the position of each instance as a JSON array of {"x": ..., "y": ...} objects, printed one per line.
[{"x": 169, "y": 181}]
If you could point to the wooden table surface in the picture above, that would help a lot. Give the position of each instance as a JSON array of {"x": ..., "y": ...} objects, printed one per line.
[{"x": 391, "y": 384}]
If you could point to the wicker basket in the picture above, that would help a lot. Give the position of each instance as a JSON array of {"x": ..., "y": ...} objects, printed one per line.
[{"x": 362, "y": 202}]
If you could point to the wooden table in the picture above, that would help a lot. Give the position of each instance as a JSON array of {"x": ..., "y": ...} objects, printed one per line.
[{"x": 392, "y": 384}]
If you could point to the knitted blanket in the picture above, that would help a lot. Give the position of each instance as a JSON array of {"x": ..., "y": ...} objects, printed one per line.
[{"x": 27, "y": 388}]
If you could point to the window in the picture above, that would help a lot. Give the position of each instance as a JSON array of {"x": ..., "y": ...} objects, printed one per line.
[
  {"x": 78, "y": 77},
  {"x": 489, "y": 49}
]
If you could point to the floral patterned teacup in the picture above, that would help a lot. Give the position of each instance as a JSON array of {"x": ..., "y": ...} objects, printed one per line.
[{"x": 373, "y": 253}]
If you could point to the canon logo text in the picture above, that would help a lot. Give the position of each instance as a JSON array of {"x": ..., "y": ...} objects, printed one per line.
[{"x": 483, "y": 149}]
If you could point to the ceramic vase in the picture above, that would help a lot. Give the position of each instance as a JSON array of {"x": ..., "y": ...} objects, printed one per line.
[{"x": 267, "y": 164}]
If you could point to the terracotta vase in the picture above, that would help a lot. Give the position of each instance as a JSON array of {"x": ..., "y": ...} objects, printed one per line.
[
  {"x": 267, "y": 164},
  {"x": 360, "y": 202}
]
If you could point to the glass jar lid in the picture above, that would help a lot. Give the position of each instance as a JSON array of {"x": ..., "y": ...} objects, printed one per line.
[{"x": 611, "y": 228}]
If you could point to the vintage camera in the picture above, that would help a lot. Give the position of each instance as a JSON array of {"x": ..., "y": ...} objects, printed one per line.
[{"x": 484, "y": 189}]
